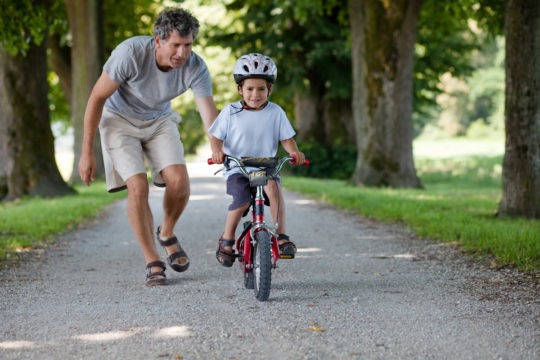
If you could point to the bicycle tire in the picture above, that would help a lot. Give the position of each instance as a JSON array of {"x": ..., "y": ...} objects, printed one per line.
[{"x": 262, "y": 261}]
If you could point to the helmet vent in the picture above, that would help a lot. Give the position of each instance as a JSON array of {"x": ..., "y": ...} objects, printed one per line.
[{"x": 254, "y": 65}]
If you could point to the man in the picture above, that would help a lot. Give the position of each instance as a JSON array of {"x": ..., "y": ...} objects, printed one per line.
[{"x": 131, "y": 104}]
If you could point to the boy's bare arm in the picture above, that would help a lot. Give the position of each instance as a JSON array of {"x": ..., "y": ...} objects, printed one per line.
[
  {"x": 291, "y": 148},
  {"x": 217, "y": 150}
]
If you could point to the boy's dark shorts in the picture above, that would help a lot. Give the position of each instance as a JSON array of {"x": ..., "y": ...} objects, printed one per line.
[{"x": 238, "y": 187}]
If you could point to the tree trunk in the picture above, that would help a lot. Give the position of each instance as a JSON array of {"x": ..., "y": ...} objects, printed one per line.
[
  {"x": 60, "y": 60},
  {"x": 383, "y": 37},
  {"x": 326, "y": 121},
  {"x": 27, "y": 143},
  {"x": 521, "y": 166},
  {"x": 86, "y": 63},
  {"x": 306, "y": 113}
]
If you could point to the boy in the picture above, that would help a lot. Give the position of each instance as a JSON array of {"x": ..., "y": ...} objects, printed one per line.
[{"x": 252, "y": 127}]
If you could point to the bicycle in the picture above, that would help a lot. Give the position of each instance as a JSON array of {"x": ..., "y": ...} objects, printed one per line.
[{"x": 257, "y": 246}]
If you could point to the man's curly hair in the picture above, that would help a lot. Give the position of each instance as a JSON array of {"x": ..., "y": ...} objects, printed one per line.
[{"x": 175, "y": 19}]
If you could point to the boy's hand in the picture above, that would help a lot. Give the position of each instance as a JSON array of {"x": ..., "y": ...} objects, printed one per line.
[
  {"x": 299, "y": 157},
  {"x": 218, "y": 157}
]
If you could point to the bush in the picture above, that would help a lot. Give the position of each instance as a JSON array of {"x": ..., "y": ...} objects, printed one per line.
[
  {"x": 337, "y": 162},
  {"x": 192, "y": 131}
]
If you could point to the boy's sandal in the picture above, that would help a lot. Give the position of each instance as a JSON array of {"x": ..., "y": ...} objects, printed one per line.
[
  {"x": 180, "y": 254},
  {"x": 287, "y": 248},
  {"x": 224, "y": 257},
  {"x": 154, "y": 278}
]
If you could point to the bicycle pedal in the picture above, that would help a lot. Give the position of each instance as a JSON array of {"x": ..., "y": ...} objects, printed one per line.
[{"x": 286, "y": 256}]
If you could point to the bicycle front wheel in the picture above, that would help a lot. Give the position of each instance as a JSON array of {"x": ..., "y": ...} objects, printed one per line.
[{"x": 262, "y": 265}]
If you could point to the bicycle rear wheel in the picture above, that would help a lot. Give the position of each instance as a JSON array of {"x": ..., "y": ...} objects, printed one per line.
[{"x": 262, "y": 269}]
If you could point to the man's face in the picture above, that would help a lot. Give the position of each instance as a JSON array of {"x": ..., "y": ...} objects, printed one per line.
[{"x": 173, "y": 52}]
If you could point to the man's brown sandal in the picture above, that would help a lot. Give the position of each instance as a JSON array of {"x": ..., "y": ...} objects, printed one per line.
[
  {"x": 224, "y": 257},
  {"x": 154, "y": 278},
  {"x": 287, "y": 249},
  {"x": 180, "y": 254}
]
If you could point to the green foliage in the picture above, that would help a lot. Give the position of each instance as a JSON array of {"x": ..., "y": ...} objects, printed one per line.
[
  {"x": 489, "y": 15},
  {"x": 126, "y": 18},
  {"x": 308, "y": 41},
  {"x": 24, "y": 22},
  {"x": 474, "y": 105},
  {"x": 458, "y": 205},
  {"x": 444, "y": 45},
  {"x": 30, "y": 223},
  {"x": 452, "y": 36},
  {"x": 337, "y": 162},
  {"x": 192, "y": 131},
  {"x": 58, "y": 104}
]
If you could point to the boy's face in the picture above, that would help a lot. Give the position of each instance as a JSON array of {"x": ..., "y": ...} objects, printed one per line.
[
  {"x": 255, "y": 92},
  {"x": 173, "y": 52}
]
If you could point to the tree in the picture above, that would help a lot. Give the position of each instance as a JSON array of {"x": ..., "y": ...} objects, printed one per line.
[
  {"x": 86, "y": 61},
  {"x": 27, "y": 150},
  {"x": 383, "y": 37},
  {"x": 521, "y": 165},
  {"x": 309, "y": 43},
  {"x": 444, "y": 46},
  {"x": 95, "y": 28}
]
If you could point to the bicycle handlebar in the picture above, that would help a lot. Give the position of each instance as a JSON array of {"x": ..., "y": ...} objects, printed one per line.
[{"x": 240, "y": 162}]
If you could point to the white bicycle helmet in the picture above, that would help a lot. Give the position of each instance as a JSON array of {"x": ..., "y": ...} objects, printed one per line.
[{"x": 254, "y": 65}]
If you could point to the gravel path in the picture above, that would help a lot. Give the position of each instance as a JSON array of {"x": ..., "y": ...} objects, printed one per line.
[{"x": 357, "y": 290}]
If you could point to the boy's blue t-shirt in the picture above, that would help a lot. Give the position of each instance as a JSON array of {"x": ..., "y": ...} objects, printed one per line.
[{"x": 251, "y": 133}]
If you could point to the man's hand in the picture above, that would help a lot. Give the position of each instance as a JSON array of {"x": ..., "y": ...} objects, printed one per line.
[{"x": 87, "y": 168}]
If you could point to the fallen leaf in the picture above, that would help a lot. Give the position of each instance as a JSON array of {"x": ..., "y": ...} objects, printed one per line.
[{"x": 316, "y": 328}]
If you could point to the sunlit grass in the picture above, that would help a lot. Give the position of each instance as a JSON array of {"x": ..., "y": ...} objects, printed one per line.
[
  {"x": 459, "y": 204},
  {"x": 29, "y": 223}
]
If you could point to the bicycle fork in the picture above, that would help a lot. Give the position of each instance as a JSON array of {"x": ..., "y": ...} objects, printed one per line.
[{"x": 251, "y": 228}]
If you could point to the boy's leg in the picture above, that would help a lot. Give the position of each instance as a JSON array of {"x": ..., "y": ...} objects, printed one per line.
[
  {"x": 277, "y": 207},
  {"x": 238, "y": 188},
  {"x": 277, "y": 204},
  {"x": 225, "y": 251},
  {"x": 232, "y": 221}
]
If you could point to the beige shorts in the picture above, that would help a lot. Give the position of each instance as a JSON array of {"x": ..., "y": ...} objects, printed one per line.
[{"x": 129, "y": 144}]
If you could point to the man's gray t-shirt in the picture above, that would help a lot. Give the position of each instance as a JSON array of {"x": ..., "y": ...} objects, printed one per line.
[{"x": 145, "y": 92}]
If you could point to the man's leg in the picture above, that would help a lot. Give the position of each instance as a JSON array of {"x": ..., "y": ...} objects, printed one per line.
[
  {"x": 140, "y": 216},
  {"x": 176, "y": 197}
]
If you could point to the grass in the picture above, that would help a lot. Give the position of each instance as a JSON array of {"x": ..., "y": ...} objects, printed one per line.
[
  {"x": 30, "y": 223},
  {"x": 458, "y": 204}
]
